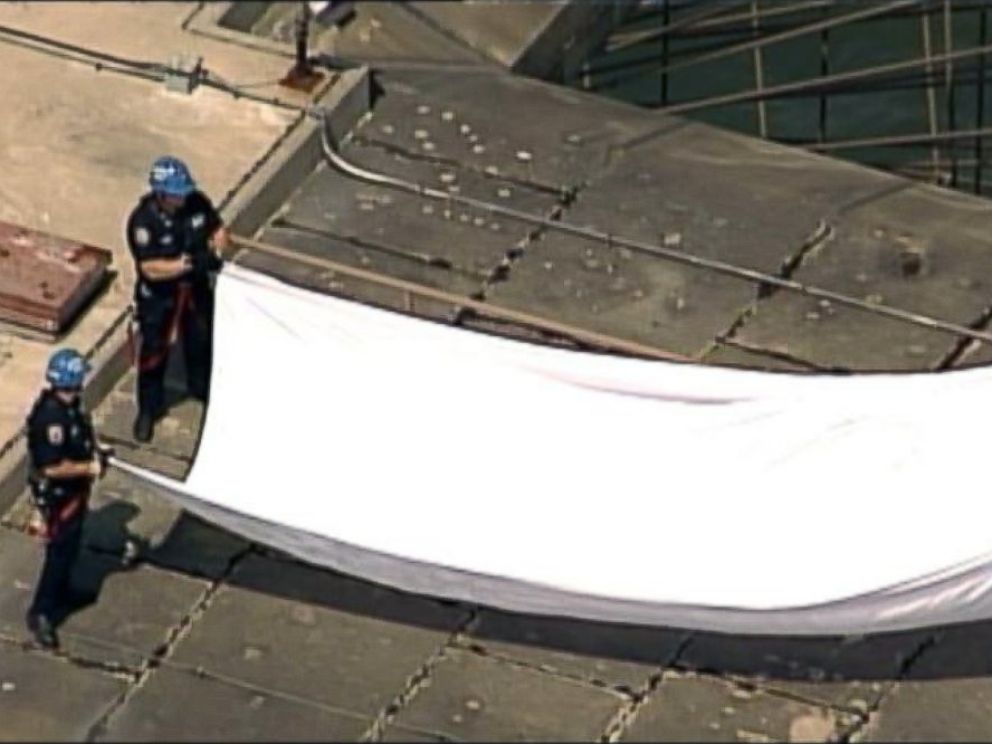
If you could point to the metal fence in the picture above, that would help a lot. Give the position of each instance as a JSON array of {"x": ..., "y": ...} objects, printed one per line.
[{"x": 897, "y": 84}]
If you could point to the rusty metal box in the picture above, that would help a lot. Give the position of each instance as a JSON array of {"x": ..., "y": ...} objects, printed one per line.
[{"x": 46, "y": 281}]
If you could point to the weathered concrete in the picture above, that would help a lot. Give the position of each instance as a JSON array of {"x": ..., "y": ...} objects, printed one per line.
[
  {"x": 362, "y": 642},
  {"x": 45, "y": 699},
  {"x": 132, "y": 615},
  {"x": 949, "y": 710},
  {"x": 286, "y": 648},
  {"x": 180, "y": 706},
  {"x": 693, "y": 708},
  {"x": 618, "y": 656},
  {"x": 472, "y": 698},
  {"x": 874, "y": 256},
  {"x": 852, "y": 673}
]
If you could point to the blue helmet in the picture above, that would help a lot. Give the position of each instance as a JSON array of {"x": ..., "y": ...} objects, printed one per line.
[
  {"x": 67, "y": 369},
  {"x": 171, "y": 177}
]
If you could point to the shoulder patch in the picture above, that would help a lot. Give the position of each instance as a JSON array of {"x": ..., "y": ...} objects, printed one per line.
[
  {"x": 141, "y": 236},
  {"x": 198, "y": 220},
  {"x": 55, "y": 434}
]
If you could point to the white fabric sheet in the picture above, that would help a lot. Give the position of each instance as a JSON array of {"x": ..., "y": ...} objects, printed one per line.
[{"x": 459, "y": 464}]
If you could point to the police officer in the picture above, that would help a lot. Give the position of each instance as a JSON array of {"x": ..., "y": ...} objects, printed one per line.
[
  {"x": 175, "y": 236},
  {"x": 65, "y": 459}
]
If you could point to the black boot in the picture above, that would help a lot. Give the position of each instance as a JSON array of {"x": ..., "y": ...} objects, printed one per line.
[
  {"x": 144, "y": 427},
  {"x": 43, "y": 630}
]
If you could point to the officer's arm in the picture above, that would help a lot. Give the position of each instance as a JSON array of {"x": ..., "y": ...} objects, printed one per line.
[
  {"x": 164, "y": 269},
  {"x": 73, "y": 469},
  {"x": 220, "y": 240},
  {"x": 45, "y": 444}
]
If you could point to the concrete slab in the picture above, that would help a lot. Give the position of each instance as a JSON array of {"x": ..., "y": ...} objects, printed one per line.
[
  {"x": 401, "y": 229},
  {"x": 502, "y": 33},
  {"x": 630, "y": 296},
  {"x": 618, "y": 656},
  {"x": 402, "y": 733},
  {"x": 853, "y": 673},
  {"x": 693, "y": 708},
  {"x": 303, "y": 275},
  {"x": 948, "y": 710},
  {"x": 133, "y": 613},
  {"x": 473, "y": 698},
  {"x": 96, "y": 133},
  {"x": 280, "y": 626},
  {"x": 727, "y": 355},
  {"x": 725, "y": 207},
  {"x": 572, "y": 142},
  {"x": 462, "y": 176},
  {"x": 179, "y": 706},
  {"x": 922, "y": 249},
  {"x": 45, "y": 699}
]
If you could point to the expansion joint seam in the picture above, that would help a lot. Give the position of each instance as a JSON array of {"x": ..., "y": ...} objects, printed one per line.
[
  {"x": 419, "y": 679},
  {"x": 821, "y": 236},
  {"x": 501, "y": 272},
  {"x": 479, "y": 649},
  {"x": 437, "y": 262},
  {"x": 560, "y": 192},
  {"x": 965, "y": 346},
  {"x": 109, "y": 668},
  {"x": 627, "y": 713},
  {"x": 175, "y": 635},
  {"x": 857, "y": 732}
]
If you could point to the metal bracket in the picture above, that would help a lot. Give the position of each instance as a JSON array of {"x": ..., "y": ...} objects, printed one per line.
[{"x": 185, "y": 72}]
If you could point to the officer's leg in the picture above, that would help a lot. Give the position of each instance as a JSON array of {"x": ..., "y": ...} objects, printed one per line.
[
  {"x": 46, "y": 593},
  {"x": 197, "y": 345},
  {"x": 153, "y": 357},
  {"x": 72, "y": 544}
]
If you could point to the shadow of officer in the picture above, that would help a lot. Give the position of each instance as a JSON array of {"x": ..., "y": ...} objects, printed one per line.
[
  {"x": 106, "y": 531},
  {"x": 65, "y": 460}
]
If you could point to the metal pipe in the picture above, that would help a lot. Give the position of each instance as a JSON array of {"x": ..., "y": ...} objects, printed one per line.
[
  {"x": 759, "y": 73},
  {"x": 805, "y": 86},
  {"x": 685, "y": 22},
  {"x": 931, "y": 96},
  {"x": 983, "y": 35},
  {"x": 859, "y": 15},
  {"x": 895, "y": 140},
  {"x": 761, "y": 278},
  {"x": 949, "y": 85},
  {"x": 824, "y": 72}
]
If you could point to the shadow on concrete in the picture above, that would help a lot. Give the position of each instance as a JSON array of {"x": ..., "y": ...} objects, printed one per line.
[
  {"x": 948, "y": 652},
  {"x": 94, "y": 567}
]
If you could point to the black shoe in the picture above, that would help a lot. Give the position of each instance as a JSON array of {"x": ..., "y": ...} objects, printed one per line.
[
  {"x": 144, "y": 427},
  {"x": 43, "y": 631}
]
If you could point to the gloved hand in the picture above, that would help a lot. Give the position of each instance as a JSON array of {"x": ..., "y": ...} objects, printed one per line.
[
  {"x": 206, "y": 261},
  {"x": 98, "y": 467},
  {"x": 103, "y": 455}
]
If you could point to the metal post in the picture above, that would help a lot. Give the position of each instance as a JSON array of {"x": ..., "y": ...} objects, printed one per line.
[
  {"x": 949, "y": 82},
  {"x": 824, "y": 72},
  {"x": 666, "y": 21},
  {"x": 930, "y": 92},
  {"x": 302, "y": 36},
  {"x": 759, "y": 74},
  {"x": 983, "y": 34},
  {"x": 302, "y": 76}
]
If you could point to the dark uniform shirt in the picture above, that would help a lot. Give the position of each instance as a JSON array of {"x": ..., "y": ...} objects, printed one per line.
[
  {"x": 152, "y": 233},
  {"x": 60, "y": 431}
]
